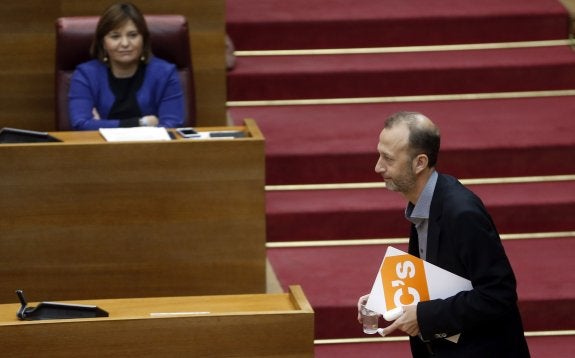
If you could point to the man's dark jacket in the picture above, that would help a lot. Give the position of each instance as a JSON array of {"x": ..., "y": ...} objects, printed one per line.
[{"x": 462, "y": 239}]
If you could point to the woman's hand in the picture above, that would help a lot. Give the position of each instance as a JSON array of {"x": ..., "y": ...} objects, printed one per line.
[
  {"x": 149, "y": 121},
  {"x": 95, "y": 114}
]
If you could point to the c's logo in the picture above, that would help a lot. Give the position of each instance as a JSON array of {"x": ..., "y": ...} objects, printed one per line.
[{"x": 404, "y": 282}]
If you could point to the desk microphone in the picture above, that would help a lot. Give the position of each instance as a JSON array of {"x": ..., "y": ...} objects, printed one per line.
[{"x": 55, "y": 310}]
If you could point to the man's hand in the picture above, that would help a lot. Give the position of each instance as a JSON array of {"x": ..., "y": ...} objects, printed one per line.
[
  {"x": 407, "y": 322},
  {"x": 361, "y": 300}
]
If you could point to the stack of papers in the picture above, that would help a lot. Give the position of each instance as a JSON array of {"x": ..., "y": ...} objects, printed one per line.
[
  {"x": 404, "y": 279},
  {"x": 135, "y": 134}
]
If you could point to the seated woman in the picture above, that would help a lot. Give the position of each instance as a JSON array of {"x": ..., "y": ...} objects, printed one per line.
[{"x": 124, "y": 86}]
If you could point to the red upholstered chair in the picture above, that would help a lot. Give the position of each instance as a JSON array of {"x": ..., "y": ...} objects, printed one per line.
[{"x": 169, "y": 39}]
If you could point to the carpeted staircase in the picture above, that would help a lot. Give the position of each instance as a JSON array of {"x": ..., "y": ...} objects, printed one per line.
[{"x": 497, "y": 76}]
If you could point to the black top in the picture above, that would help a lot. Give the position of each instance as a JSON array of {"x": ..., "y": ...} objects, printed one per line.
[{"x": 126, "y": 107}]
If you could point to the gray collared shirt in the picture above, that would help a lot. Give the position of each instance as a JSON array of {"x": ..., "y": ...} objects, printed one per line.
[{"x": 418, "y": 214}]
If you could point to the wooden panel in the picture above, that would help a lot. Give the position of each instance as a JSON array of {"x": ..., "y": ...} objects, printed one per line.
[
  {"x": 236, "y": 326},
  {"x": 27, "y": 53},
  {"x": 88, "y": 219},
  {"x": 25, "y": 16},
  {"x": 27, "y": 40},
  {"x": 26, "y": 90},
  {"x": 211, "y": 65}
]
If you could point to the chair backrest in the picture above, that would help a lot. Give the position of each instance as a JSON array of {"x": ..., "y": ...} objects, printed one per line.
[{"x": 169, "y": 39}]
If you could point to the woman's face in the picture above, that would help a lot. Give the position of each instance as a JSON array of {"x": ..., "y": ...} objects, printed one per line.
[{"x": 124, "y": 45}]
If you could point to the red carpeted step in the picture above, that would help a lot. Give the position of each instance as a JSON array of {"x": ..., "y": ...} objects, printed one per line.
[
  {"x": 402, "y": 74},
  {"x": 334, "y": 277},
  {"x": 480, "y": 138},
  {"x": 371, "y": 349},
  {"x": 375, "y": 213},
  {"x": 300, "y": 24},
  {"x": 551, "y": 346}
]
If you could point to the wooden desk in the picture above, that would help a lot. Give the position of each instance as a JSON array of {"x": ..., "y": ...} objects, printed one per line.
[
  {"x": 89, "y": 219},
  {"x": 265, "y": 325}
]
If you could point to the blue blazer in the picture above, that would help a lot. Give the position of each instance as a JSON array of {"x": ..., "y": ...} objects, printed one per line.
[
  {"x": 160, "y": 95},
  {"x": 462, "y": 239}
]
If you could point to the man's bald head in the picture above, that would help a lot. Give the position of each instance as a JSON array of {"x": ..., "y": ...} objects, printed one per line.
[{"x": 424, "y": 136}]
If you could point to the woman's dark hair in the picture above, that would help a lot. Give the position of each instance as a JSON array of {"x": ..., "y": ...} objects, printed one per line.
[
  {"x": 114, "y": 17},
  {"x": 423, "y": 139}
]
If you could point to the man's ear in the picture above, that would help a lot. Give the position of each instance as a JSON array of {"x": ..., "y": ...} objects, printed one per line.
[{"x": 420, "y": 163}]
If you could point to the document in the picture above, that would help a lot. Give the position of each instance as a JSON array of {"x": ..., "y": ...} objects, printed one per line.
[
  {"x": 135, "y": 134},
  {"x": 404, "y": 279}
]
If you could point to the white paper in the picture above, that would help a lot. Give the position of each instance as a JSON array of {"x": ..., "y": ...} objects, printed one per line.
[{"x": 135, "y": 134}]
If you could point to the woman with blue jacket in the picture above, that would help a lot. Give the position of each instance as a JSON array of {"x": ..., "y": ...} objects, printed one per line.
[{"x": 124, "y": 86}]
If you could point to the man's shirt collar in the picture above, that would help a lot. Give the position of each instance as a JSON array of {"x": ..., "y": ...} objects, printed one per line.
[{"x": 420, "y": 211}]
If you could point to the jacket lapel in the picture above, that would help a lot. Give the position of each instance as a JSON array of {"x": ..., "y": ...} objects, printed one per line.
[{"x": 434, "y": 227}]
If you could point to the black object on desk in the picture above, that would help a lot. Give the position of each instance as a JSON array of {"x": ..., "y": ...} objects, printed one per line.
[
  {"x": 13, "y": 135},
  {"x": 55, "y": 310},
  {"x": 224, "y": 134}
]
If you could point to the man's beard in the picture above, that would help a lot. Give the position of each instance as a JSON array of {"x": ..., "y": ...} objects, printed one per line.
[{"x": 402, "y": 184}]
